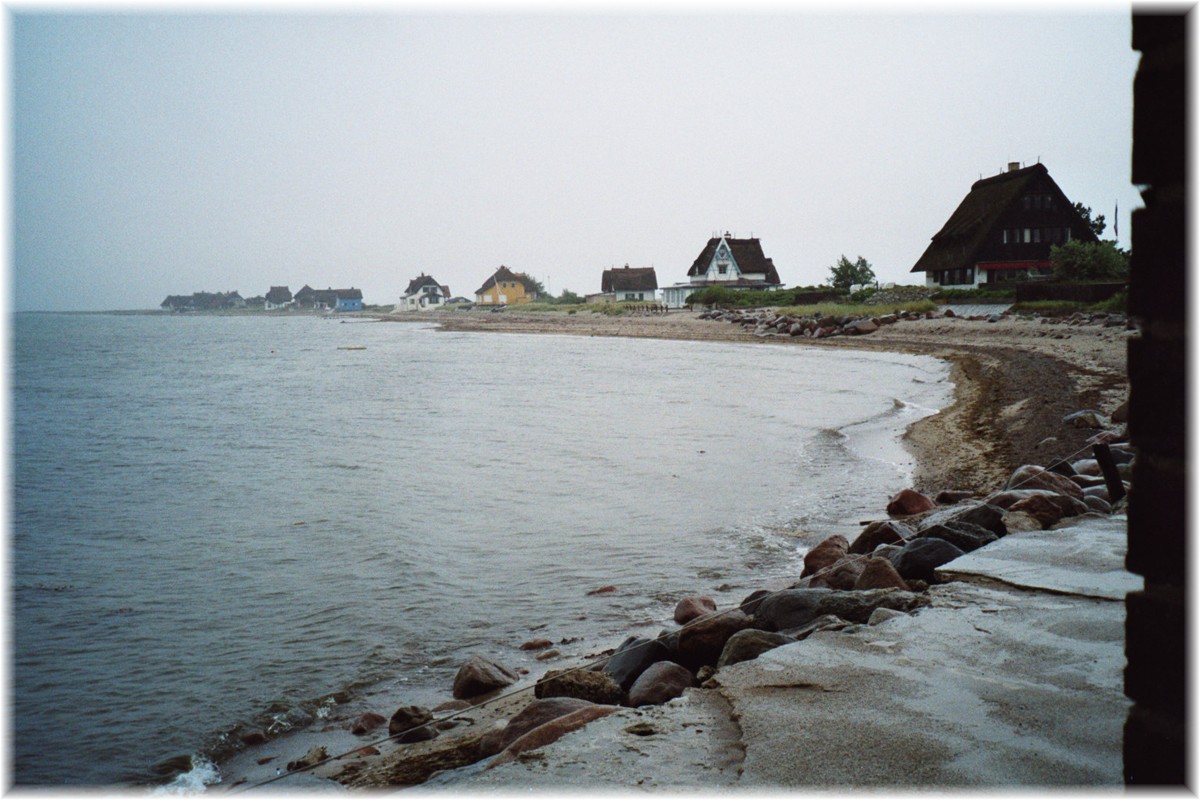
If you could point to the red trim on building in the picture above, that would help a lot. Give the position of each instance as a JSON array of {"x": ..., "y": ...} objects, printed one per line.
[{"x": 1013, "y": 265}]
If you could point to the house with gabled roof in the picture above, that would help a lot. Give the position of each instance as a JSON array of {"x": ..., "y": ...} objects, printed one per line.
[
  {"x": 347, "y": 299},
  {"x": 1002, "y": 231},
  {"x": 423, "y": 292},
  {"x": 725, "y": 261},
  {"x": 628, "y": 284},
  {"x": 278, "y": 297},
  {"x": 506, "y": 287}
]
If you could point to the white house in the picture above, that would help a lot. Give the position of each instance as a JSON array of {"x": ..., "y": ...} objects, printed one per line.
[
  {"x": 423, "y": 292},
  {"x": 725, "y": 261}
]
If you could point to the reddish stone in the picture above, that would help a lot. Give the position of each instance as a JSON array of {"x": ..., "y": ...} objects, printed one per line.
[
  {"x": 886, "y": 531},
  {"x": 603, "y": 590},
  {"x": 480, "y": 676},
  {"x": 842, "y": 575},
  {"x": 367, "y": 723},
  {"x": 908, "y": 502},
  {"x": 878, "y": 573},
  {"x": 694, "y": 607},
  {"x": 701, "y": 641},
  {"x": 537, "y": 644},
  {"x": 1031, "y": 476},
  {"x": 1040, "y": 507},
  {"x": 825, "y": 554}
]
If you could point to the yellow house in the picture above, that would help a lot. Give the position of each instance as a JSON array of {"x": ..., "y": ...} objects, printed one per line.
[{"x": 506, "y": 287}]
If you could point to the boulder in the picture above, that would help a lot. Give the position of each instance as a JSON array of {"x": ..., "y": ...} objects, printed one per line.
[
  {"x": 1121, "y": 414},
  {"x": 841, "y": 575},
  {"x": 750, "y": 604},
  {"x": 920, "y": 557},
  {"x": 1085, "y": 419},
  {"x": 825, "y": 622},
  {"x": 411, "y": 724},
  {"x": 702, "y": 641},
  {"x": 881, "y": 615},
  {"x": 551, "y": 731},
  {"x": 1031, "y": 476},
  {"x": 690, "y": 608},
  {"x": 878, "y": 573},
  {"x": 1040, "y": 507},
  {"x": 886, "y": 531},
  {"x": 583, "y": 684},
  {"x": 366, "y": 723},
  {"x": 663, "y": 681},
  {"x": 790, "y": 608},
  {"x": 948, "y": 497},
  {"x": 534, "y": 715},
  {"x": 1021, "y": 522},
  {"x": 963, "y": 535},
  {"x": 982, "y": 513},
  {"x": 749, "y": 644},
  {"x": 856, "y": 606},
  {"x": 825, "y": 554},
  {"x": 632, "y": 658},
  {"x": 479, "y": 676},
  {"x": 907, "y": 502},
  {"x": 862, "y": 326},
  {"x": 537, "y": 644},
  {"x": 1099, "y": 504},
  {"x": 255, "y": 736},
  {"x": 1089, "y": 467}
]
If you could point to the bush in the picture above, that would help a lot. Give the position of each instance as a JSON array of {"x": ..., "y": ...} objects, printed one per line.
[
  {"x": 981, "y": 295},
  {"x": 1088, "y": 261},
  {"x": 856, "y": 310},
  {"x": 1117, "y": 304},
  {"x": 751, "y": 298}
]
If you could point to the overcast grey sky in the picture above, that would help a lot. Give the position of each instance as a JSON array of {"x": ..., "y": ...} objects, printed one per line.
[{"x": 162, "y": 153}]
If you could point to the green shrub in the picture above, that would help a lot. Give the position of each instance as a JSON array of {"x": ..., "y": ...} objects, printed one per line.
[
  {"x": 1117, "y": 304},
  {"x": 856, "y": 309}
]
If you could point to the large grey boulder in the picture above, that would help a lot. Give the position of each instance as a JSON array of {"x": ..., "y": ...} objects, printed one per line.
[
  {"x": 750, "y": 644},
  {"x": 921, "y": 557}
]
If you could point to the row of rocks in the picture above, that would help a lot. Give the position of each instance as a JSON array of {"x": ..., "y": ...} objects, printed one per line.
[
  {"x": 883, "y": 572},
  {"x": 771, "y": 323}
]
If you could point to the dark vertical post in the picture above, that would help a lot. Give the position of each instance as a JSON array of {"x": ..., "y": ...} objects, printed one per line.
[
  {"x": 1108, "y": 467},
  {"x": 1156, "y": 674}
]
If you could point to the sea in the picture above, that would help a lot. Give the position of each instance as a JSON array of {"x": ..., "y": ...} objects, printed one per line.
[{"x": 227, "y": 523}]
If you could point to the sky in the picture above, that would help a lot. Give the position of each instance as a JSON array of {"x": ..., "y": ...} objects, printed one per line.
[{"x": 160, "y": 152}]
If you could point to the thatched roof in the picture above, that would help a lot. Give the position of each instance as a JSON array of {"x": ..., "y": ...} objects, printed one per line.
[
  {"x": 748, "y": 254},
  {"x": 507, "y": 275},
  {"x": 629, "y": 279},
  {"x": 279, "y": 295},
  {"x": 967, "y": 237}
]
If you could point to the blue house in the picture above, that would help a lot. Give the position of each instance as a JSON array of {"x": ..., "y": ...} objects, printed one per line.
[{"x": 348, "y": 300}]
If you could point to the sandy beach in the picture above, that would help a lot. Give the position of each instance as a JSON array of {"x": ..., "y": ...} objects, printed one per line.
[{"x": 1014, "y": 379}]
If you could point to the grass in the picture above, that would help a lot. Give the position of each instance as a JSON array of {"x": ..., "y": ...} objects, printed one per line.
[{"x": 856, "y": 309}]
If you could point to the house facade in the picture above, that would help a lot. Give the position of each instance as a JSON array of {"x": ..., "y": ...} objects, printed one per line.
[
  {"x": 636, "y": 284},
  {"x": 423, "y": 292},
  {"x": 347, "y": 299},
  {"x": 1002, "y": 231},
  {"x": 729, "y": 262},
  {"x": 277, "y": 297},
  {"x": 506, "y": 287}
]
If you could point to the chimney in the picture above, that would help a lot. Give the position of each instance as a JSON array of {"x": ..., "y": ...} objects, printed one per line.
[{"x": 1013, "y": 166}]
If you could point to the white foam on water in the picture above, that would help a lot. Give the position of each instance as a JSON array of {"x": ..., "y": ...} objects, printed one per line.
[{"x": 203, "y": 774}]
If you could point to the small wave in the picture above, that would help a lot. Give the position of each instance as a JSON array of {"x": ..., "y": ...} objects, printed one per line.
[{"x": 203, "y": 773}]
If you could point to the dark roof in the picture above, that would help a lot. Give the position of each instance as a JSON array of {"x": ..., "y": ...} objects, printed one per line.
[
  {"x": 506, "y": 274},
  {"x": 279, "y": 294},
  {"x": 991, "y": 203},
  {"x": 629, "y": 279},
  {"x": 748, "y": 254},
  {"x": 417, "y": 283},
  {"x": 348, "y": 294}
]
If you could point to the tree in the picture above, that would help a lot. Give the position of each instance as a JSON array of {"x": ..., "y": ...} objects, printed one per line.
[
  {"x": 569, "y": 298},
  {"x": 845, "y": 273},
  {"x": 1097, "y": 225},
  {"x": 1088, "y": 261}
]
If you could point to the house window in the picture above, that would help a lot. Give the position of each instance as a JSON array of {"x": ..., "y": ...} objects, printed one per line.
[
  {"x": 1037, "y": 235},
  {"x": 1028, "y": 235},
  {"x": 1027, "y": 200},
  {"x": 722, "y": 267}
]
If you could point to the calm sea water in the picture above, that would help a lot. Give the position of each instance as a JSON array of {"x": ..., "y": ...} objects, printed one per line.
[{"x": 220, "y": 522}]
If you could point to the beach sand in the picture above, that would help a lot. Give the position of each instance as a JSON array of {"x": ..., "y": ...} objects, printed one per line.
[{"x": 1014, "y": 380}]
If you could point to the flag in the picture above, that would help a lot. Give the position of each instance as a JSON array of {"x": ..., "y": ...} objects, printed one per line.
[{"x": 1116, "y": 232}]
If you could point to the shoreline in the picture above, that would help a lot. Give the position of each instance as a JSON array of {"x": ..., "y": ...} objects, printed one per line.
[
  {"x": 1014, "y": 380},
  {"x": 1011, "y": 381}
]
